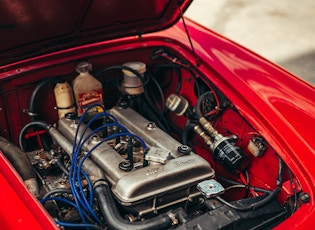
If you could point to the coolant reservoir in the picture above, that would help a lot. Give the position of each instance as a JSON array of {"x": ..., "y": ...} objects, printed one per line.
[
  {"x": 132, "y": 84},
  {"x": 64, "y": 99},
  {"x": 87, "y": 89}
]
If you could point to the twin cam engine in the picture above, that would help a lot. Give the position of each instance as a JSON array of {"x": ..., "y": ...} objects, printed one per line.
[
  {"x": 143, "y": 182},
  {"x": 144, "y": 161}
]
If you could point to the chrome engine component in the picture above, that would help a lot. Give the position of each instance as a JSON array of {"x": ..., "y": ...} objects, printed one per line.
[
  {"x": 169, "y": 179},
  {"x": 157, "y": 155},
  {"x": 223, "y": 148},
  {"x": 210, "y": 188}
]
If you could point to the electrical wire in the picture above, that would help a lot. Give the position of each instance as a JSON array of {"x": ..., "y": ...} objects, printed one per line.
[
  {"x": 294, "y": 191},
  {"x": 163, "y": 107},
  {"x": 66, "y": 224},
  {"x": 146, "y": 107},
  {"x": 184, "y": 65},
  {"x": 232, "y": 182},
  {"x": 99, "y": 128},
  {"x": 80, "y": 200},
  {"x": 253, "y": 206},
  {"x": 155, "y": 113},
  {"x": 246, "y": 182},
  {"x": 235, "y": 186},
  {"x": 179, "y": 75},
  {"x": 200, "y": 101},
  {"x": 176, "y": 61},
  {"x": 79, "y": 171},
  {"x": 44, "y": 200},
  {"x": 104, "y": 140},
  {"x": 57, "y": 191},
  {"x": 72, "y": 225},
  {"x": 262, "y": 202},
  {"x": 76, "y": 173}
]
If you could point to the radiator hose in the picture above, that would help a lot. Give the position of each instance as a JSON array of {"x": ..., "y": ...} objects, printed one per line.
[
  {"x": 21, "y": 163},
  {"x": 115, "y": 221}
]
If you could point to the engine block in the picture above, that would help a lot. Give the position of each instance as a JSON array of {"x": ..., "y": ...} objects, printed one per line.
[{"x": 169, "y": 179}]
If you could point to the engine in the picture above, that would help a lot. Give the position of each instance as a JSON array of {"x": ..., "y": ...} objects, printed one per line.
[
  {"x": 143, "y": 181},
  {"x": 153, "y": 146}
]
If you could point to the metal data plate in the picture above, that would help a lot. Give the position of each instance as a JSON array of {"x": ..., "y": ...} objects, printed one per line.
[{"x": 210, "y": 188}]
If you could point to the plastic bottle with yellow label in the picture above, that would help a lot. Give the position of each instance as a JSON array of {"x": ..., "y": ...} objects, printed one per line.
[{"x": 87, "y": 89}]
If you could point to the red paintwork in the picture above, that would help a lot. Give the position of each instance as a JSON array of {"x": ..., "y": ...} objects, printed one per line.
[
  {"x": 31, "y": 27},
  {"x": 277, "y": 104},
  {"x": 280, "y": 106},
  {"x": 19, "y": 209}
]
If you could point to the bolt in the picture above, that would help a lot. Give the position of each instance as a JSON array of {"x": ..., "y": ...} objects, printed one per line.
[
  {"x": 95, "y": 138},
  {"x": 184, "y": 149},
  {"x": 304, "y": 197},
  {"x": 201, "y": 200},
  {"x": 125, "y": 166},
  {"x": 151, "y": 126},
  {"x": 123, "y": 105},
  {"x": 71, "y": 115}
]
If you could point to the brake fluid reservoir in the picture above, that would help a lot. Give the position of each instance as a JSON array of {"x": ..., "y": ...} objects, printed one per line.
[
  {"x": 87, "y": 89},
  {"x": 64, "y": 99},
  {"x": 132, "y": 84}
]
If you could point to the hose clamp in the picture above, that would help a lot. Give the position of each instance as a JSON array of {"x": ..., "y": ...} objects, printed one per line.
[
  {"x": 99, "y": 183},
  {"x": 173, "y": 218}
]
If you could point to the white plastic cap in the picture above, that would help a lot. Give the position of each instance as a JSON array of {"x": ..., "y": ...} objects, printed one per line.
[
  {"x": 140, "y": 67},
  {"x": 83, "y": 67}
]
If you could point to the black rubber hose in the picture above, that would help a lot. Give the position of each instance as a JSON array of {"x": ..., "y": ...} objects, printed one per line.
[
  {"x": 114, "y": 219},
  {"x": 41, "y": 124},
  {"x": 187, "y": 132},
  {"x": 32, "y": 105},
  {"x": 18, "y": 159}
]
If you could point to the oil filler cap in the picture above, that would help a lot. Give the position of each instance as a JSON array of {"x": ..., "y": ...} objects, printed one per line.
[
  {"x": 158, "y": 155},
  {"x": 210, "y": 188}
]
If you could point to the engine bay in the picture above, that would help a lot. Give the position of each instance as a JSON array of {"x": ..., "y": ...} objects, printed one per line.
[{"x": 156, "y": 146}]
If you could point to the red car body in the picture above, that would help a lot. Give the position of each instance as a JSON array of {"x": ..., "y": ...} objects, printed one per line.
[{"x": 277, "y": 105}]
